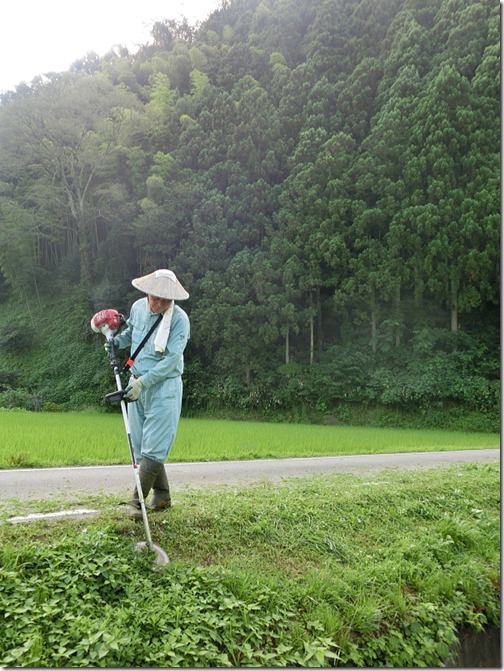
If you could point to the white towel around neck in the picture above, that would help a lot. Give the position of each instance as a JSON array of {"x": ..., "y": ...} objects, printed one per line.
[{"x": 164, "y": 330}]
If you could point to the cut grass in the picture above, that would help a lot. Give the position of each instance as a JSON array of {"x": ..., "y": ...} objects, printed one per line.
[
  {"x": 86, "y": 438},
  {"x": 315, "y": 572}
]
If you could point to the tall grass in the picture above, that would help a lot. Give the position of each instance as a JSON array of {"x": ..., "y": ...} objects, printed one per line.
[{"x": 85, "y": 438}]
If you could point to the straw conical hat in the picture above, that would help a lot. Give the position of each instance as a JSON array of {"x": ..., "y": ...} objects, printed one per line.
[{"x": 162, "y": 284}]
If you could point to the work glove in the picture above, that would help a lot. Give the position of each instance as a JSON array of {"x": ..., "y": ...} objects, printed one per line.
[
  {"x": 108, "y": 345},
  {"x": 134, "y": 389}
]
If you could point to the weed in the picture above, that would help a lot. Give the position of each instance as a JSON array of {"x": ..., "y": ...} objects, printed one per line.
[
  {"x": 328, "y": 571},
  {"x": 20, "y": 460}
]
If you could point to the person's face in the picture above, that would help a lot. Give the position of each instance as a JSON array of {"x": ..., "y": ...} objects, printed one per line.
[{"x": 158, "y": 305}]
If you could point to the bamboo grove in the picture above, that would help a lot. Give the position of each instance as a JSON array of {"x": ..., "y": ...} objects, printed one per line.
[{"x": 323, "y": 176}]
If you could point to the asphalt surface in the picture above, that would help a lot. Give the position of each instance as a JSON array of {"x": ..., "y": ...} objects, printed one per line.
[{"x": 72, "y": 483}]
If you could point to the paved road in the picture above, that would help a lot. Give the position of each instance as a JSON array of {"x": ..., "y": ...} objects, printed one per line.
[{"x": 70, "y": 483}]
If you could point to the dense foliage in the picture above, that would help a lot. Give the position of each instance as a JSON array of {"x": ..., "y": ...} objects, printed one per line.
[{"x": 323, "y": 177}]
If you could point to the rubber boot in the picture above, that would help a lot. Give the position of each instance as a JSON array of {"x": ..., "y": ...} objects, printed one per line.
[
  {"x": 161, "y": 498},
  {"x": 148, "y": 472}
]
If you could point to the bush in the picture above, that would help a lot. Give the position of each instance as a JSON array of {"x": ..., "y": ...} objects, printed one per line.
[
  {"x": 8, "y": 379},
  {"x": 20, "y": 398},
  {"x": 428, "y": 383},
  {"x": 16, "y": 337}
]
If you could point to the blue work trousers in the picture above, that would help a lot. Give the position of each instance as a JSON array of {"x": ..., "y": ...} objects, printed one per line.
[{"x": 154, "y": 419}]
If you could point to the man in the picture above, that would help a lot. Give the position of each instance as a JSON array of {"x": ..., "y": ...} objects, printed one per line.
[{"x": 156, "y": 383}]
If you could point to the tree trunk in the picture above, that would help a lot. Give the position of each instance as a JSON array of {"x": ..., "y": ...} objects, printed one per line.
[
  {"x": 312, "y": 339},
  {"x": 398, "y": 315},
  {"x": 373, "y": 330},
  {"x": 454, "y": 305},
  {"x": 287, "y": 346},
  {"x": 84, "y": 255},
  {"x": 319, "y": 322},
  {"x": 373, "y": 322},
  {"x": 312, "y": 329}
]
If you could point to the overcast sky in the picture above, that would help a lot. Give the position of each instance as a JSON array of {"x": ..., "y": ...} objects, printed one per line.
[{"x": 38, "y": 36}]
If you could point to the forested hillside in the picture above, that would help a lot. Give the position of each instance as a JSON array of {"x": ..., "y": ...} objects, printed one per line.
[{"x": 322, "y": 176}]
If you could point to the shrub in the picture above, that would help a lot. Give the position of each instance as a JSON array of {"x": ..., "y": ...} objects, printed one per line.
[
  {"x": 8, "y": 379},
  {"x": 20, "y": 398},
  {"x": 16, "y": 337}
]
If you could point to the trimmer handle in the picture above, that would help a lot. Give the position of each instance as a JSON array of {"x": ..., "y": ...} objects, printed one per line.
[
  {"x": 117, "y": 395},
  {"x": 111, "y": 350}
]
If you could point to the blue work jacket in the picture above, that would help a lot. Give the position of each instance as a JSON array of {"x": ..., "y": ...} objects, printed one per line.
[{"x": 150, "y": 365}]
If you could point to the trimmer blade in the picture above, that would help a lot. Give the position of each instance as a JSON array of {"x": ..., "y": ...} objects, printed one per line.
[{"x": 161, "y": 557}]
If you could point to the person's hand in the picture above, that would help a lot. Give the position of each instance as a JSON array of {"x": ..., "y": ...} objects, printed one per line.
[
  {"x": 108, "y": 345},
  {"x": 133, "y": 390}
]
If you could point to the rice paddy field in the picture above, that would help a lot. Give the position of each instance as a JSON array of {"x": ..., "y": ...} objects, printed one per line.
[{"x": 93, "y": 438}]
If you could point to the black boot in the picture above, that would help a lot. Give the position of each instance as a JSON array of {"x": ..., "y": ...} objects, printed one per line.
[
  {"x": 161, "y": 498},
  {"x": 148, "y": 472}
]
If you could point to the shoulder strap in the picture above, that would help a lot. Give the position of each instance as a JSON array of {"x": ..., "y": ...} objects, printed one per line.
[{"x": 132, "y": 358}]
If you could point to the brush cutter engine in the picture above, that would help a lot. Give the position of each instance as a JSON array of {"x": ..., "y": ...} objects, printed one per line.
[{"x": 107, "y": 322}]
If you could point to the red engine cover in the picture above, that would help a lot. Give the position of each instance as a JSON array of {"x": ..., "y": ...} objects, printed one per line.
[{"x": 110, "y": 317}]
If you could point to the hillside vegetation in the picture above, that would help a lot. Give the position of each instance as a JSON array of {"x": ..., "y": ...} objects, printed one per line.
[{"x": 324, "y": 179}]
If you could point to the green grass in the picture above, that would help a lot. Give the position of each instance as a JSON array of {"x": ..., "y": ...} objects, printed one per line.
[
  {"x": 328, "y": 570},
  {"x": 83, "y": 438}
]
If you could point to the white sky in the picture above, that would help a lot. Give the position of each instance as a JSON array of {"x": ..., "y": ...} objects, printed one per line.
[{"x": 38, "y": 36}]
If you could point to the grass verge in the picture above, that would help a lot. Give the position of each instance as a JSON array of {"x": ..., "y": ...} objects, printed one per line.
[
  {"x": 332, "y": 570},
  {"x": 84, "y": 438}
]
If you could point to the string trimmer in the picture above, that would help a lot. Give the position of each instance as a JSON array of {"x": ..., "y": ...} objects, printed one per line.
[{"x": 108, "y": 322}]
